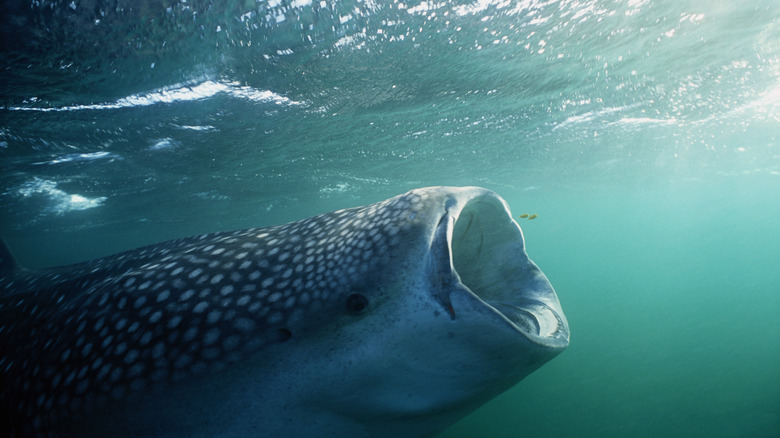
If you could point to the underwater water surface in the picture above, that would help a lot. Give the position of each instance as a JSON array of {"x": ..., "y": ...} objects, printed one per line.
[{"x": 644, "y": 135}]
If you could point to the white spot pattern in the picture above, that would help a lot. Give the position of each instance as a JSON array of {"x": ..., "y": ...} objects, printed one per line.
[{"x": 163, "y": 312}]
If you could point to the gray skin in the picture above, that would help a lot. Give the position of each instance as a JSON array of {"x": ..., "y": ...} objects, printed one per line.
[{"x": 393, "y": 319}]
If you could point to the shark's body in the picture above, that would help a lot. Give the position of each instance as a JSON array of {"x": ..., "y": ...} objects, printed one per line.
[{"x": 393, "y": 319}]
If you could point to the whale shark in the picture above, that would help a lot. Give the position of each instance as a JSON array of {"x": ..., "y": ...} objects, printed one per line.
[{"x": 392, "y": 319}]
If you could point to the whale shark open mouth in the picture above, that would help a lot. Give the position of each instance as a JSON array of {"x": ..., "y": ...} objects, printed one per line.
[{"x": 489, "y": 258}]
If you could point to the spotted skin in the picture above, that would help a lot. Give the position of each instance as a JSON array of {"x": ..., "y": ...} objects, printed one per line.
[{"x": 76, "y": 339}]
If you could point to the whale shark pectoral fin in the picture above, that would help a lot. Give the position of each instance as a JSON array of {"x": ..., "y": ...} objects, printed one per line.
[
  {"x": 9, "y": 270},
  {"x": 7, "y": 262}
]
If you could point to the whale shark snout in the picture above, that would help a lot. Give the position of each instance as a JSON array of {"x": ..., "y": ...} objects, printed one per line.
[{"x": 392, "y": 319}]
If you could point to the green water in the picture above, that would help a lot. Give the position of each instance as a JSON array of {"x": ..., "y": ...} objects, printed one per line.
[
  {"x": 671, "y": 293},
  {"x": 644, "y": 134}
]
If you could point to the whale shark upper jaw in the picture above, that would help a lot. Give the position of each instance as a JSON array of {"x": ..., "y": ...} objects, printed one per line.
[{"x": 479, "y": 250}]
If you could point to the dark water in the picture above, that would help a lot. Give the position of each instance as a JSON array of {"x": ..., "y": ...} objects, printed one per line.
[{"x": 643, "y": 133}]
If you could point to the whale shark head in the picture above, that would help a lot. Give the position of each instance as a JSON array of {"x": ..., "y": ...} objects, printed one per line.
[
  {"x": 457, "y": 313},
  {"x": 392, "y": 319}
]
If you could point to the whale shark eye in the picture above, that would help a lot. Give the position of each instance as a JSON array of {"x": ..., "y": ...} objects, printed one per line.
[
  {"x": 284, "y": 334},
  {"x": 356, "y": 304}
]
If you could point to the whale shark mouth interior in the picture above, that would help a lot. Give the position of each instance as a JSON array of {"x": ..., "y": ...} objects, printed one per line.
[{"x": 489, "y": 257}]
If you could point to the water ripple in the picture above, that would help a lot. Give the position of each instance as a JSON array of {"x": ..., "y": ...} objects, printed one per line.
[{"x": 175, "y": 94}]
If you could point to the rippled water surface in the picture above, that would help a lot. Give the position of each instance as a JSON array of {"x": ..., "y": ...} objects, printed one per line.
[{"x": 644, "y": 134}]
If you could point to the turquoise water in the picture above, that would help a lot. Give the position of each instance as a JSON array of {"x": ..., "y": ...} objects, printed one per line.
[
  {"x": 643, "y": 133},
  {"x": 671, "y": 293}
]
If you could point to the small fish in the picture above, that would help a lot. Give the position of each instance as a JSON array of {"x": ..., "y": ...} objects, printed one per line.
[
  {"x": 533, "y": 216},
  {"x": 524, "y": 216}
]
